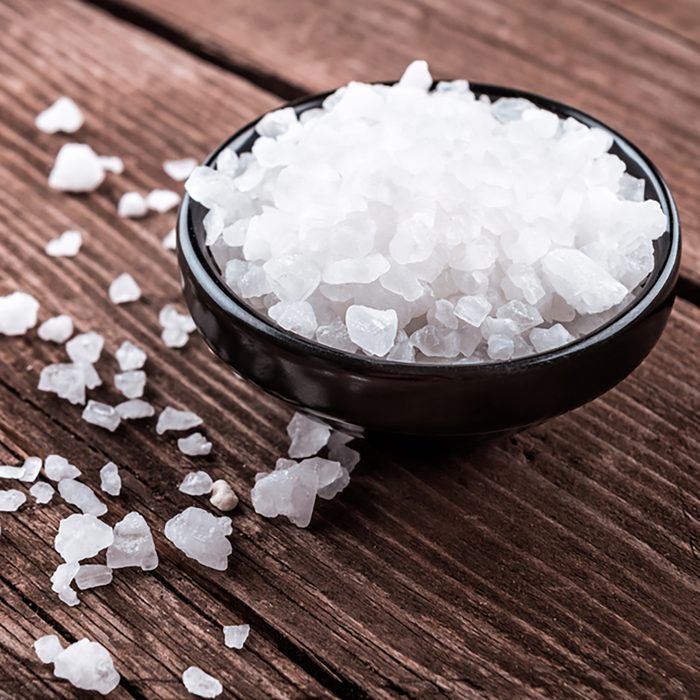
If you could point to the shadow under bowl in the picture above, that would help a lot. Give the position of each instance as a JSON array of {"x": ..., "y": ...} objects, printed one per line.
[{"x": 361, "y": 394}]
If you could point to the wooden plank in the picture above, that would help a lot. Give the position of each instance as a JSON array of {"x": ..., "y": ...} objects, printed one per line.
[
  {"x": 682, "y": 17},
  {"x": 549, "y": 564},
  {"x": 637, "y": 78}
]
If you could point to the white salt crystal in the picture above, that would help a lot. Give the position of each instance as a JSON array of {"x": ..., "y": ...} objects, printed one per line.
[
  {"x": 308, "y": 436},
  {"x": 196, "y": 484},
  {"x": 338, "y": 451},
  {"x": 296, "y": 316},
  {"x": 179, "y": 169},
  {"x": 101, "y": 414},
  {"x": 9, "y": 472},
  {"x": 77, "y": 169},
  {"x": 42, "y": 492},
  {"x": 130, "y": 356},
  {"x": 170, "y": 240},
  {"x": 374, "y": 330},
  {"x": 223, "y": 496},
  {"x": 276, "y": 123},
  {"x": 124, "y": 289},
  {"x": 57, "y": 468},
  {"x": 162, "y": 200},
  {"x": 130, "y": 383},
  {"x": 473, "y": 309},
  {"x": 132, "y": 205},
  {"x": 133, "y": 544},
  {"x": 92, "y": 576},
  {"x": 65, "y": 380},
  {"x": 18, "y": 313},
  {"x": 174, "y": 337},
  {"x": 194, "y": 445},
  {"x": 56, "y": 329},
  {"x": 417, "y": 75},
  {"x": 61, "y": 580},
  {"x": 81, "y": 496},
  {"x": 174, "y": 419},
  {"x": 11, "y": 500},
  {"x": 110, "y": 481},
  {"x": 112, "y": 164},
  {"x": 63, "y": 115},
  {"x": 134, "y": 409},
  {"x": 545, "y": 339},
  {"x": 27, "y": 472},
  {"x": 66, "y": 245},
  {"x": 81, "y": 537},
  {"x": 87, "y": 665},
  {"x": 85, "y": 348},
  {"x": 235, "y": 635},
  {"x": 176, "y": 326},
  {"x": 201, "y": 684},
  {"x": 201, "y": 536},
  {"x": 47, "y": 648}
]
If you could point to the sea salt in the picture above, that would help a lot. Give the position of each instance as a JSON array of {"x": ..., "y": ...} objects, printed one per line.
[
  {"x": 132, "y": 205},
  {"x": 42, "y": 492},
  {"x": 130, "y": 356},
  {"x": 201, "y": 684},
  {"x": 110, "y": 481},
  {"x": 174, "y": 419},
  {"x": 57, "y": 468},
  {"x": 134, "y": 409},
  {"x": 66, "y": 380},
  {"x": 18, "y": 313},
  {"x": 133, "y": 544},
  {"x": 339, "y": 451},
  {"x": 170, "y": 240},
  {"x": 162, "y": 200},
  {"x": 179, "y": 169},
  {"x": 63, "y": 115},
  {"x": 235, "y": 635},
  {"x": 194, "y": 445},
  {"x": 308, "y": 436},
  {"x": 176, "y": 326},
  {"x": 11, "y": 500},
  {"x": 101, "y": 414},
  {"x": 77, "y": 169},
  {"x": 131, "y": 383},
  {"x": 201, "y": 536},
  {"x": 61, "y": 580},
  {"x": 85, "y": 348},
  {"x": 47, "y": 648},
  {"x": 223, "y": 496},
  {"x": 87, "y": 665},
  {"x": 401, "y": 222},
  {"x": 66, "y": 245},
  {"x": 112, "y": 164},
  {"x": 56, "y": 329},
  {"x": 196, "y": 484},
  {"x": 92, "y": 576},
  {"x": 81, "y": 537},
  {"x": 27, "y": 472},
  {"x": 81, "y": 496},
  {"x": 124, "y": 289}
]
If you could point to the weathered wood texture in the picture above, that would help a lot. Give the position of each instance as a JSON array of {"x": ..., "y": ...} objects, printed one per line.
[
  {"x": 627, "y": 70},
  {"x": 560, "y": 563}
]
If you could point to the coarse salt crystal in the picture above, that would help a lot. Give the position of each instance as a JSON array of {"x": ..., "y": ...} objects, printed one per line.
[
  {"x": 85, "y": 347},
  {"x": 77, "y": 169},
  {"x": 102, "y": 415},
  {"x": 170, "y": 240},
  {"x": 112, "y": 164},
  {"x": 61, "y": 580},
  {"x": 63, "y": 115},
  {"x": 130, "y": 356},
  {"x": 11, "y": 500},
  {"x": 196, "y": 484},
  {"x": 87, "y": 665},
  {"x": 223, "y": 496},
  {"x": 201, "y": 536},
  {"x": 130, "y": 383},
  {"x": 81, "y": 496},
  {"x": 47, "y": 648},
  {"x": 42, "y": 492},
  {"x": 194, "y": 445},
  {"x": 18, "y": 313},
  {"x": 200, "y": 683},
  {"x": 308, "y": 436},
  {"x": 56, "y": 329},
  {"x": 179, "y": 169},
  {"x": 27, "y": 472},
  {"x": 132, "y": 205},
  {"x": 235, "y": 636},
  {"x": 57, "y": 468},
  {"x": 81, "y": 536},
  {"x": 174, "y": 419},
  {"x": 133, "y": 544},
  {"x": 162, "y": 200},
  {"x": 134, "y": 409},
  {"x": 92, "y": 576},
  {"x": 66, "y": 245},
  {"x": 124, "y": 289},
  {"x": 110, "y": 481}
]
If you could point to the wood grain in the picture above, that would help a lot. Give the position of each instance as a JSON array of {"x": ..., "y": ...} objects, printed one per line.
[
  {"x": 560, "y": 563},
  {"x": 636, "y": 77}
]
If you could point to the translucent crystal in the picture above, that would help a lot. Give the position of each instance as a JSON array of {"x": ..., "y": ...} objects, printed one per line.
[
  {"x": 130, "y": 356},
  {"x": 110, "y": 481},
  {"x": 235, "y": 635},
  {"x": 56, "y": 329},
  {"x": 308, "y": 436},
  {"x": 66, "y": 245},
  {"x": 85, "y": 348},
  {"x": 92, "y": 576},
  {"x": 47, "y": 648},
  {"x": 201, "y": 684},
  {"x": 63, "y": 115},
  {"x": 133, "y": 409},
  {"x": 11, "y": 500},
  {"x": 473, "y": 309},
  {"x": 77, "y": 169},
  {"x": 162, "y": 200},
  {"x": 124, "y": 289},
  {"x": 201, "y": 536},
  {"x": 374, "y": 330},
  {"x": 174, "y": 419},
  {"x": 81, "y": 537},
  {"x": 87, "y": 665},
  {"x": 112, "y": 164},
  {"x": 179, "y": 169},
  {"x": 545, "y": 339},
  {"x": 132, "y": 205},
  {"x": 132, "y": 545},
  {"x": 130, "y": 383},
  {"x": 194, "y": 445},
  {"x": 81, "y": 496},
  {"x": 42, "y": 492},
  {"x": 297, "y": 317},
  {"x": 101, "y": 414},
  {"x": 196, "y": 484},
  {"x": 61, "y": 580},
  {"x": 18, "y": 313},
  {"x": 57, "y": 468}
]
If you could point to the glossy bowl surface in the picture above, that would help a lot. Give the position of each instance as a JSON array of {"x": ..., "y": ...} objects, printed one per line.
[{"x": 358, "y": 393}]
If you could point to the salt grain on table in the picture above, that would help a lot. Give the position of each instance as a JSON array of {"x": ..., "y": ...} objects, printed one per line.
[
  {"x": 339, "y": 451},
  {"x": 132, "y": 205},
  {"x": 308, "y": 436},
  {"x": 28, "y": 472},
  {"x": 47, "y": 648},
  {"x": 235, "y": 635},
  {"x": 56, "y": 329},
  {"x": 223, "y": 496},
  {"x": 179, "y": 169},
  {"x": 133, "y": 544},
  {"x": 61, "y": 580},
  {"x": 194, "y": 445},
  {"x": 110, "y": 481},
  {"x": 42, "y": 492},
  {"x": 18, "y": 313},
  {"x": 130, "y": 356},
  {"x": 87, "y": 665},
  {"x": 174, "y": 419},
  {"x": 124, "y": 289},
  {"x": 92, "y": 576},
  {"x": 102, "y": 415},
  {"x": 77, "y": 169},
  {"x": 131, "y": 383},
  {"x": 134, "y": 409},
  {"x": 81, "y": 537},
  {"x": 81, "y": 496},
  {"x": 63, "y": 115},
  {"x": 57, "y": 468},
  {"x": 170, "y": 240},
  {"x": 85, "y": 348},
  {"x": 11, "y": 500},
  {"x": 176, "y": 326},
  {"x": 201, "y": 536},
  {"x": 200, "y": 683},
  {"x": 196, "y": 484},
  {"x": 68, "y": 381},
  {"x": 162, "y": 200},
  {"x": 112, "y": 164},
  {"x": 66, "y": 245}
]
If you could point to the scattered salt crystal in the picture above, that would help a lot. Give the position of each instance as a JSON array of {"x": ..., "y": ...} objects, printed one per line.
[
  {"x": 81, "y": 537},
  {"x": 194, "y": 445},
  {"x": 56, "y": 329},
  {"x": 235, "y": 635},
  {"x": 173, "y": 419},
  {"x": 196, "y": 484},
  {"x": 85, "y": 348},
  {"x": 92, "y": 576},
  {"x": 112, "y": 164},
  {"x": 101, "y": 414},
  {"x": 30, "y": 469},
  {"x": 57, "y": 468},
  {"x": 81, "y": 496},
  {"x": 134, "y": 408},
  {"x": 18, "y": 313},
  {"x": 130, "y": 383},
  {"x": 61, "y": 580},
  {"x": 339, "y": 451},
  {"x": 174, "y": 337},
  {"x": 42, "y": 492},
  {"x": 87, "y": 665},
  {"x": 11, "y": 500},
  {"x": 133, "y": 544},
  {"x": 130, "y": 356},
  {"x": 308, "y": 436},
  {"x": 170, "y": 240},
  {"x": 47, "y": 648},
  {"x": 124, "y": 289},
  {"x": 132, "y": 205},
  {"x": 110, "y": 481},
  {"x": 10, "y": 472},
  {"x": 66, "y": 245},
  {"x": 67, "y": 381},
  {"x": 201, "y": 684},
  {"x": 176, "y": 326},
  {"x": 63, "y": 115},
  {"x": 179, "y": 169},
  {"x": 223, "y": 496},
  {"x": 162, "y": 200},
  {"x": 201, "y": 536},
  {"x": 77, "y": 169}
]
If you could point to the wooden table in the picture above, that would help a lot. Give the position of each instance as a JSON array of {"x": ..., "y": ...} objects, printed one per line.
[{"x": 561, "y": 563}]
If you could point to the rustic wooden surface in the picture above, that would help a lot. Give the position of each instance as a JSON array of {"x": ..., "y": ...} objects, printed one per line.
[{"x": 560, "y": 563}]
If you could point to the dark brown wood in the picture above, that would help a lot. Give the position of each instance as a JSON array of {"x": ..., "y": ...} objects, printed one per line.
[{"x": 560, "y": 563}]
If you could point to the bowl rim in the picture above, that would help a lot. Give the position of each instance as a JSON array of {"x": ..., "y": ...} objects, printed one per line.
[{"x": 660, "y": 282}]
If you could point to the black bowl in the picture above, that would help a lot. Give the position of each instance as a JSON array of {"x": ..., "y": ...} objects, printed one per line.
[{"x": 358, "y": 393}]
